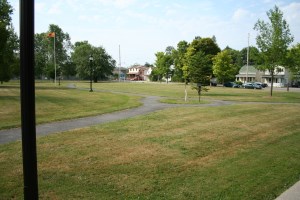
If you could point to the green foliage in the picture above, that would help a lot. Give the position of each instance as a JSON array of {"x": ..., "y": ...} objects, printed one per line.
[
  {"x": 254, "y": 56},
  {"x": 102, "y": 65},
  {"x": 44, "y": 52},
  {"x": 273, "y": 41},
  {"x": 223, "y": 67},
  {"x": 179, "y": 61},
  {"x": 163, "y": 62},
  {"x": 8, "y": 43},
  {"x": 293, "y": 60}
]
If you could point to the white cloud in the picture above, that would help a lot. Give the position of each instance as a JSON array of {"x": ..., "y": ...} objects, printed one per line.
[
  {"x": 40, "y": 7},
  {"x": 55, "y": 9},
  {"x": 292, "y": 11},
  {"x": 240, "y": 14},
  {"x": 116, "y": 3}
]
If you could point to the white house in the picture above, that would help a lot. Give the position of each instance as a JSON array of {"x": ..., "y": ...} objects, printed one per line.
[
  {"x": 251, "y": 74},
  {"x": 281, "y": 77}
]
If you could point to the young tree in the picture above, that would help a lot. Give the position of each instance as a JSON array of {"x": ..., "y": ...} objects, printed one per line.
[
  {"x": 223, "y": 67},
  {"x": 273, "y": 41},
  {"x": 198, "y": 61}
]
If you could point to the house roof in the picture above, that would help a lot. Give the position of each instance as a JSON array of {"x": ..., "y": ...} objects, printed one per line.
[{"x": 251, "y": 70}]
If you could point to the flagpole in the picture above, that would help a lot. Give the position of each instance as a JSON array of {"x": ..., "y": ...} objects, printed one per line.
[{"x": 54, "y": 60}]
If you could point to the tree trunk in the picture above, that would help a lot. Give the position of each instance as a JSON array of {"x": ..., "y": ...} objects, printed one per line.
[
  {"x": 185, "y": 92},
  {"x": 272, "y": 78},
  {"x": 288, "y": 85},
  {"x": 199, "y": 92}
]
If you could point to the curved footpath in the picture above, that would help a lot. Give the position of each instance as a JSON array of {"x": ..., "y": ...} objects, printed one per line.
[{"x": 150, "y": 104}]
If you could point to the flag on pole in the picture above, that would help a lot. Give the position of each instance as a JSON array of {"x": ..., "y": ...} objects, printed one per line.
[{"x": 52, "y": 34}]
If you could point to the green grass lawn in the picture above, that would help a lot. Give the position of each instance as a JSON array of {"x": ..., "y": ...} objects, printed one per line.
[
  {"x": 176, "y": 90},
  {"x": 228, "y": 152},
  {"x": 60, "y": 103}
]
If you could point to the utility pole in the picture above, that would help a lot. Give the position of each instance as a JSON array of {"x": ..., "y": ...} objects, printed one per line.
[
  {"x": 119, "y": 63},
  {"x": 247, "y": 58}
]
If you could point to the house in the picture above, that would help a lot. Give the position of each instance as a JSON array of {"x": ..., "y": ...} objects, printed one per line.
[
  {"x": 137, "y": 73},
  {"x": 147, "y": 74},
  {"x": 251, "y": 74},
  {"x": 281, "y": 77}
]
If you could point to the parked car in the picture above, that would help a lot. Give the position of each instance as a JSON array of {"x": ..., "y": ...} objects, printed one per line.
[
  {"x": 213, "y": 83},
  {"x": 231, "y": 84},
  {"x": 296, "y": 84},
  {"x": 252, "y": 86},
  {"x": 263, "y": 85}
]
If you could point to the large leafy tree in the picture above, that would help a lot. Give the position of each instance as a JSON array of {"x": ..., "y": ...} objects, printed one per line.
[
  {"x": 198, "y": 61},
  {"x": 8, "y": 44},
  {"x": 179, "y": 60},
  {"x": 208, "y": 49},
  {"x": 293, "y": 61},
  {"x": 102, "y": 65},
  {"x": 273, "y": 40},
  {"x": 63, "y": 46},
  {"x": 44, "y": 52},
  {"x": 235, "y": 55},
  {"x": 254, "y": 56},
  {"x": 223, "y": 66},
  {"x": 163, "y": 62}
]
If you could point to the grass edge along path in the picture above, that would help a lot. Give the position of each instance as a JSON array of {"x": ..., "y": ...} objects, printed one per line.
[
  {"x": 57, "y": 104},
  {"x": 229, "y": 152}
]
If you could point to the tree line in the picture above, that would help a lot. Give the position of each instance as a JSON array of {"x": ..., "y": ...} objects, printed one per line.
[
  {"x": 200, "y": 60},
  {"x": 195, "y": 62},
  {"x": 52, "y": 47}
]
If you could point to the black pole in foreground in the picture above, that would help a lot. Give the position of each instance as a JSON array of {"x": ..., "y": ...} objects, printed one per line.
[{"x": 28, "y": 99}]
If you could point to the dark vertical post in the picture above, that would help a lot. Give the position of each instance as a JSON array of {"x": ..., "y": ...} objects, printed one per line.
[{"x": 28, "y": 99}]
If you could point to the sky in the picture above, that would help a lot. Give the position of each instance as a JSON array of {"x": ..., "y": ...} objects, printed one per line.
[{"x": 142, "y": 28}]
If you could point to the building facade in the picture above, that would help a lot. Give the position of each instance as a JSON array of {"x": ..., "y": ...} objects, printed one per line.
[{"x": 251, "y": 74}]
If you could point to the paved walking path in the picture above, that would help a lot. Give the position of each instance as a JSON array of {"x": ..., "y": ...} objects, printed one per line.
[
  {"x": 293, "y": 193},
  {"x": 150, "y": 104}
]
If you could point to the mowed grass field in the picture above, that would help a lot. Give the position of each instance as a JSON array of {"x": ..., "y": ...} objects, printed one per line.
[
  {"x": 176, "y": 90},
  {"x": 60, "y": 103},
  {"x": 248, "y": 151}
]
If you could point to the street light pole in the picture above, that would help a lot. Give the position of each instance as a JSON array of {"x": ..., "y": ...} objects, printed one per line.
[{"x": 91, "y": 72}]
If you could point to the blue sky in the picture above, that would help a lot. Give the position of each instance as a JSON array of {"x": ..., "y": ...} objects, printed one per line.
[{"x": 143, "y": 27}]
